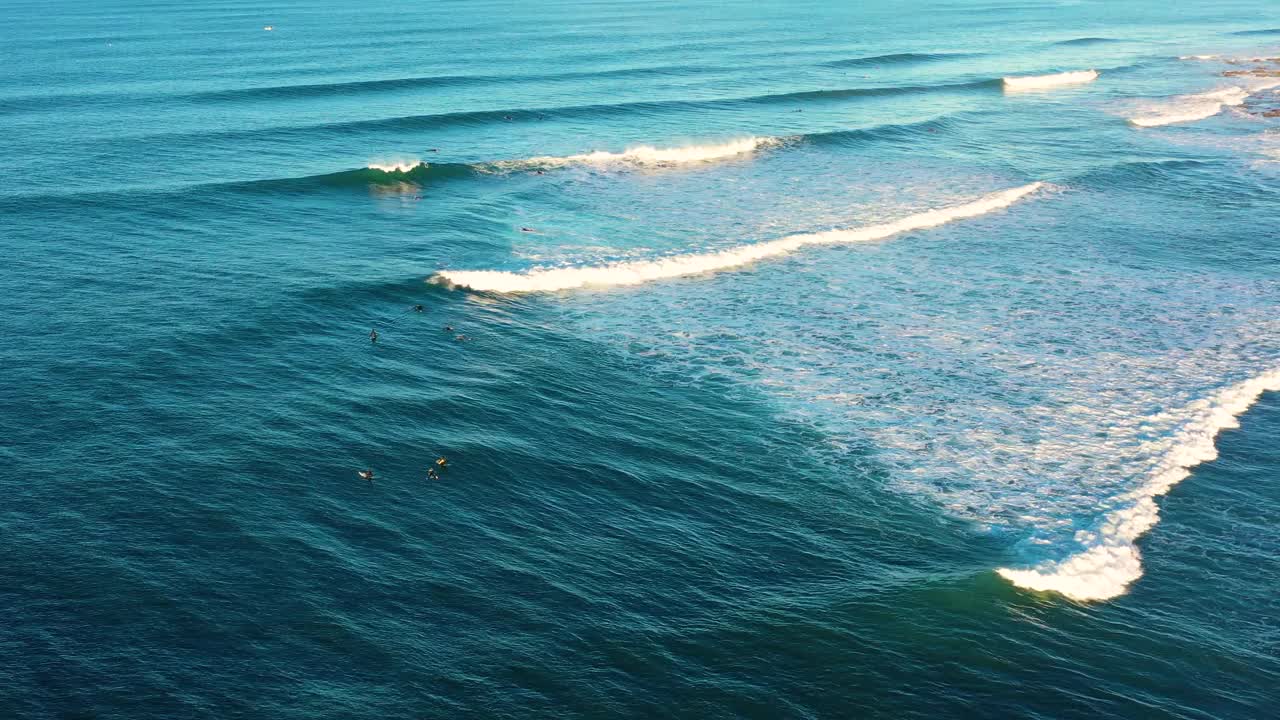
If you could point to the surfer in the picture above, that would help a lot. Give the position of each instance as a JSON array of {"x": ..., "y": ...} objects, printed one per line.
[
  {"x": 442, "y": 461},
  {"x": 432, "y": 475},
  {"x": 417, "y": 308},
  {"x": 448, "y": 328},
  {"x": 373, "y": 336},
  {"x": 365, "y": 475},
  {"x": 525, "y": 229}
]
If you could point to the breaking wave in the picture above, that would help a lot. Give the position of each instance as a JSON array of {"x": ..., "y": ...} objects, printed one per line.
[
  {"x": 1040, "y": 82},
  {"x": 1110, "y": 561},
  {"x": 398, "y": 166},
  {"x": 637, "y": 272},
  {"x": 647, "y": 155},
  {"x": 1190, "y": 108}
]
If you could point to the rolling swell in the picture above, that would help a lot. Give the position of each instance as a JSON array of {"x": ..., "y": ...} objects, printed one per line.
[
  {"x": 1088, "y": 41},
  {"x": 869, "y": 92},
  {"x": 36, "y": 103},
  {"x": 890, "y": 132},
  {"x": 477, "y": 118},
  {"x": 277, "y": 92},
  {"x": 898, "y": 59},
  {"x": 644, "y": 107},
  {"x": 422, "y": 173},
  {"x": 419, "y": 174},
  {"x": 1143, "y": 172}
]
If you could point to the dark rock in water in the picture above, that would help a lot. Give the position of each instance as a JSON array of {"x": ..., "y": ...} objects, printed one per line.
[
  {"x": 1256, "y": 72},
  {"x": 1272, "y": 113}
]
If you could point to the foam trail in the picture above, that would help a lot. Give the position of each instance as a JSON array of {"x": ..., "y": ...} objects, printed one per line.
[
  {"x": 1110, "y": 560},
  {"x": 649, "y": 156},
  {"x": 1190, "y": 108},
  {"x": 1040, "y": 82},
  {"x": 634, "y": 273}
]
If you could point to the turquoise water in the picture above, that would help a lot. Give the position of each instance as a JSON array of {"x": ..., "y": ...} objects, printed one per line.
[{"x": 834, "y": 376}]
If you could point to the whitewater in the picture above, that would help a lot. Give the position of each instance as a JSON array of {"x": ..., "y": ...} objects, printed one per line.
[
  {"x": 1110, "y": 561},
  {"x": 1199, "y": 106}
]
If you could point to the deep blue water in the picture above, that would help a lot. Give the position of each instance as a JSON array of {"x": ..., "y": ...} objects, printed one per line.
[{"x": 705, "y": 461}]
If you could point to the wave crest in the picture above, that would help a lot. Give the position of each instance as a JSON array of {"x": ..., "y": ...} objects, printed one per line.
[
  {"x": 1040, "y": 82},
  {"x": 637, "y": 272},
  {"x": 647, "y": 155},
  {"x": 1110, "y": 561},
  {"x": 398, "y": 166}
]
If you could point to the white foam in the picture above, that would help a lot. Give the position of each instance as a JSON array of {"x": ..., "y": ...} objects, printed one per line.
[
  {"x": 1198, "y": 57},
  {"x": 1190, "y": 108},
  {"x": 1040, "y": 82},
  {"x": 400, "y": 166},
  {"x": 1110, "y": 561},
  {"x": 649, "y": 156},
  {"x": 634, "y": 273}
]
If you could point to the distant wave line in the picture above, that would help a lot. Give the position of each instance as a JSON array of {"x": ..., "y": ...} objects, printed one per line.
[
  {"x": 1089, "y": 41},
  {"x": 602, "y": 110},
  {"x": 898, "y": 59}
]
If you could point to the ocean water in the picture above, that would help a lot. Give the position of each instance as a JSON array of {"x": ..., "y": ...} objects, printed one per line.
[{"x": 791, "y": 359}]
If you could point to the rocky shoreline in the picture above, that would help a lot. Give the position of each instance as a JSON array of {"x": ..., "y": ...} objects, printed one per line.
[{"x": 1267, "y": 106}]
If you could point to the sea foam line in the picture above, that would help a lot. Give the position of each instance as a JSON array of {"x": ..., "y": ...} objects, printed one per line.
[
  {"x": 1040, "y": 82},
  {"x": 1110, "y": 561},
  {"x": 636, "y": 272}
]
